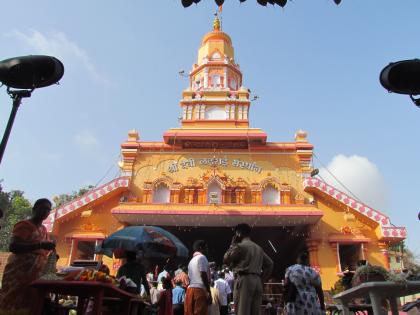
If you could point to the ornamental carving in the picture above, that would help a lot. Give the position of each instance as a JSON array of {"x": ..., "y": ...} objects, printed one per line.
[
  {"x": 176, "y": 186},
  {"x": 240, "y": 183},
  {"x": 270, "y": 181},
  {"x": 90, "y": 227},
  {"x": 164, "y": 179},
  {"x": 285, "y": 187},
  {"x": 255, "y": 186},
  {"x": 192, "y": 182},
  {"x": 346, "y": 230}
]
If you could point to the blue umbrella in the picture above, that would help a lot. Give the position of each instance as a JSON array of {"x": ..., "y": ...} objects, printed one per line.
[{"x": 150, "y": 241}]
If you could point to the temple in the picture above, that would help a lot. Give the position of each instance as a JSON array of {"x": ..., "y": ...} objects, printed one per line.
[{"x": 214, "y": 172}]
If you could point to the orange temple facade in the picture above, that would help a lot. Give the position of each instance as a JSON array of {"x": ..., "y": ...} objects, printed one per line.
[{"x": 214, "y": 172}]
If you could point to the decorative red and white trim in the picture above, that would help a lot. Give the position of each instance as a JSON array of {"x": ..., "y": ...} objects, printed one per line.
[
  {"x": 87, "y": 198},
  {"x": 387, "y": 229},
  {"x": 49, "y": 222}
]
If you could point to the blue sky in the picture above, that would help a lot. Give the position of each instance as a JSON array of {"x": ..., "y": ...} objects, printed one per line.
[{"x": 314, "y": 65}]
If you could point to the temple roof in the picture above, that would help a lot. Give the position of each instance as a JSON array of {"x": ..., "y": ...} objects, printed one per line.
[{"x": 386, "y": 231}]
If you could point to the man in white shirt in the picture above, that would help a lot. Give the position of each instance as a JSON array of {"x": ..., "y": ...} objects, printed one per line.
[
  {"x": 224, "y": 291},
  {"x": 198, "y": 295},
  {"x": 163, "y": 274}
]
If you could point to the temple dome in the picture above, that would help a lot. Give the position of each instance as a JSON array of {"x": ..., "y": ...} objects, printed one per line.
[{"x": 216, "y": 41}]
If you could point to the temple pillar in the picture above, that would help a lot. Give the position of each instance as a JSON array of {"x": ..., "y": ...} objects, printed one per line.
[
  {"x": 312, "y": 246},
  {"x": 365, "y": 251},
  {"x": 201, "y": 196},
  {"x": 240, "y": 195},
  {"x": 254, "y": 196},
  {"x": 147, "y": 192},
  {"x": 175, "y": 195},
  {"x": 228, "y": 195},
  {"x": 147, "y": 195},
  {"x": 71, "y": 252},
  {"x": 385, "y": 254},
  {"x": 206, "y": 77},
  {"x": 189, "y": 195},
  {"x": 259, "y": 197},
  {"x": 285, "y": 195},
  {"x": 334, "y": 248}
]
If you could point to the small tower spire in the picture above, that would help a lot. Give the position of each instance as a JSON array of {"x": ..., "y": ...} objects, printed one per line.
[{"x": 216, "y": 23}]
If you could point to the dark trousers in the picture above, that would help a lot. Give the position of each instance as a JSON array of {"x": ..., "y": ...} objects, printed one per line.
[
  {"x": 178, "y": 309},
  {"x": 223, "y": 310}
]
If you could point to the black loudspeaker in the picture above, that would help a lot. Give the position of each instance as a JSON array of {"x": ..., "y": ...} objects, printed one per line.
[
  {"x": 402, "y": 77},
  {"x": 30, "y": 72}
]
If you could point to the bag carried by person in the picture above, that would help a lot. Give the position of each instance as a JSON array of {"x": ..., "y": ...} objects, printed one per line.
[{"x": 290, "y": 292}]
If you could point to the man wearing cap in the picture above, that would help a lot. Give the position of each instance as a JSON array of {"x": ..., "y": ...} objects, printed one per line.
[{"x": 251, "y": 267}]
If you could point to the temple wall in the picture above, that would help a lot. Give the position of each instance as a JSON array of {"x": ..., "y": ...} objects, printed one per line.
[
  {"x": 338, "y": 226},
  {"x": 152, "y": 166},
  {"x": 100, "y": 221}
]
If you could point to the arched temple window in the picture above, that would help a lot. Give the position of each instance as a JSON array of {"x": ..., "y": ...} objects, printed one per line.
[
  {"x": 161, "y": 194},
  {"x": 216, "y": 80},
  {"x": 270, "y": 195},
  {"x": 214, "y": 193}
]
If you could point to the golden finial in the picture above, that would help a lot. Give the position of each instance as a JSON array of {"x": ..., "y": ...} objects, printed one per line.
[{"x": 216, "y": 23}]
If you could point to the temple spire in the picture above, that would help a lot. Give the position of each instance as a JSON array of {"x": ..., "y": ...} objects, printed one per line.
[{"x": 216, "y": 23}]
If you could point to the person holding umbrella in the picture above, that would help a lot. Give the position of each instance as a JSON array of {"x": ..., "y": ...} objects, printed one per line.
[{"x": 134, "y": 270}]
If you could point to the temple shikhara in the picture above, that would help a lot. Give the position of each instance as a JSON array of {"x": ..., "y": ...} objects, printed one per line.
[{"x": 214, "y": 172}]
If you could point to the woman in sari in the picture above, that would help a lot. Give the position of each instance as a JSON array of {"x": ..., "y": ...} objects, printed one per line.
[
  {"x": 310, "y": 297},
  {"x": 30, "y": 246}
]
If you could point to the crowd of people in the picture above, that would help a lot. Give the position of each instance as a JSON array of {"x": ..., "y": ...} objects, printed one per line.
[
  {"x": 204, "y": 289},
  {"x": 201, "y": 288}
]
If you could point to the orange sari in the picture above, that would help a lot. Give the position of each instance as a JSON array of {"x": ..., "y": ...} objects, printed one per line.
[{"x": 22, "y": 269}]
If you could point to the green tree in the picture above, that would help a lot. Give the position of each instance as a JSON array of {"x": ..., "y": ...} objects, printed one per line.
[
  {"x": 65, "y": 198},
  {"x": 15, "y": 208}
]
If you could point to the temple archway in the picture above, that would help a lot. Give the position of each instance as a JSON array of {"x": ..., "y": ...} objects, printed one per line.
[
  {"x": 214, "y": 192},
  {"x": 161, "y": 193},
  {"x": 270, "y": 195}
]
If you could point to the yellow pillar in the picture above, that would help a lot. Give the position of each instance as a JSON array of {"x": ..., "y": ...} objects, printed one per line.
[
  {"x": 334, "y": 248},
  {"x": 385, "y": 254},
  {"x": 312, "y": 246},
  {"x": 147, "y": 195},
  {"x": 285, "y": 196},
  {"x": 201, "y": 195},
  {"x": 228, "y": 195}
]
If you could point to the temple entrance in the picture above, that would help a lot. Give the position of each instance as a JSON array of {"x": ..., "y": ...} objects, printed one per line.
[{"x": 282, "y": 244}]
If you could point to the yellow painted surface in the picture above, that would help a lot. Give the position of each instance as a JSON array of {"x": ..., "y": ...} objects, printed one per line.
[
  {"x": 100, "y": 221},
  {"x": 282, "y": 165}
]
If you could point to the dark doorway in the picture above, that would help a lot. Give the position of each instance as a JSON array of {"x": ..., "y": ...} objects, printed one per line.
[{"x": 286, "y": 242}]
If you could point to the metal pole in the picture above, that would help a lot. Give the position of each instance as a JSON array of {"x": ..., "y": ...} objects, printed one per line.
[{"x": 17, "y": 99}]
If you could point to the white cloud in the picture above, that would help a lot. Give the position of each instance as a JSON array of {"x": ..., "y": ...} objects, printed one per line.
[
  {"x": 361, "y": 177},
  {"x": 85, "y": 139},
  {"x": 58, "y": 45}
]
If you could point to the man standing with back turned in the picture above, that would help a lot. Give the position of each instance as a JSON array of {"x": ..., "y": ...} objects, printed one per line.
[
  {"x": 251, "y": 267},
  {"x": 198, "y": 295}
]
